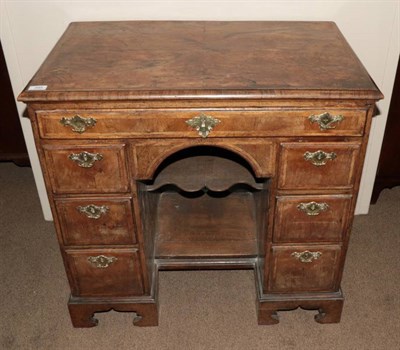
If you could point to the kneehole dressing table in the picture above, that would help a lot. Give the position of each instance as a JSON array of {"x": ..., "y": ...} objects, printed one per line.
[{"x": 202, "y": 145}]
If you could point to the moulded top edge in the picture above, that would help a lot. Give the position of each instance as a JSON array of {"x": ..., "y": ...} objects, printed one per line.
[{"x": 115, "y": 95}]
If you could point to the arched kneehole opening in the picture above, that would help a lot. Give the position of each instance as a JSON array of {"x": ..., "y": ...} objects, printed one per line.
[{"x": 204, "y": 203}]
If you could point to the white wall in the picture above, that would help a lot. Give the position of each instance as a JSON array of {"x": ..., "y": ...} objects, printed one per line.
[{"x": 30, "y": 28}]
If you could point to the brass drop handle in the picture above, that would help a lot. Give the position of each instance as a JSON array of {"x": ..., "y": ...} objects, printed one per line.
[
  {"x": 319, "y": 157},
  {"x": 326, "y": 120},
  {"x": 93, "y": 211},
  {"x": 312, "y": 208},
  {"x": 203, "y": 124},
  {"x": 78, "y": 124},
  {"x": 102, "y": 261},
  {"x": 85, "y": 159},
  {"x": 306, "y": 256}
]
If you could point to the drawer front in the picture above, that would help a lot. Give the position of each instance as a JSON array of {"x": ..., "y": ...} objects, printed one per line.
[
  {"x": 173, "y": 123},
  {"x": 311, "y": 218},
  {"x": 96, "y": 221},
  {"x": 318, "y": 165},
  {"x": 104, "y": 272},
  {"x": 149, "y": 154},
  {"x": 304, "y": 268},
  {"x": 87, "y": 168}
]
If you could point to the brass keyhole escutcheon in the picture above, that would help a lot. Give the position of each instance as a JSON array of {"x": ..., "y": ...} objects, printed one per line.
[
  {"x": 326, "y": 120},
  {"x": 102, "y": 261},
  {"x": 204, "y": 124},
  {"x": 78, "y": 124},
  {"x": 93, "y": 211},
  {"x": 319, "y": 158},
  {"x": 306, "y": 256},
  {"x": 85, "y": 159},
  {"x": 312, "y": 208}
]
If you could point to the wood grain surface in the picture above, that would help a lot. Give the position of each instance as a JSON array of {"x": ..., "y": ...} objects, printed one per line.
[
  {"x": 148, "y": 59},
  {"x": 173, "y": 199}
]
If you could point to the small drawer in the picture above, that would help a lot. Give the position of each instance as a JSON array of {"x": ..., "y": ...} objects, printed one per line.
[
  {"x": 318, "y": 165},
  {"x": 311, "y": 218},
  {"x": 104, "y": 272},
  {"x": 96, "y": 221},
  {"x": 87, "y": 168},
  {"x": 161, "y": 123},
  {"x": 304, "y": 268}
]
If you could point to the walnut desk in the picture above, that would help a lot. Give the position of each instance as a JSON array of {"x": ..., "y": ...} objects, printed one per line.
[{"x": 202, "y": 145}]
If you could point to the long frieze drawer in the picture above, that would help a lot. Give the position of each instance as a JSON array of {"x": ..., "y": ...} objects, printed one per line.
[
  {"x": 311, "y": 218},
  {"x": 318, "y": 165},
  {"x": 196, "y": 123},
  {"x": 87, "y": 168},
  {"x": 96, "y": 221},
  {"x": 304, "y": 268},
  {"x": 104, "y": 272}
]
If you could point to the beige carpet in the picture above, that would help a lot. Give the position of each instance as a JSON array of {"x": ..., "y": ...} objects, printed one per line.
[{"x": 199, "y": 310}]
